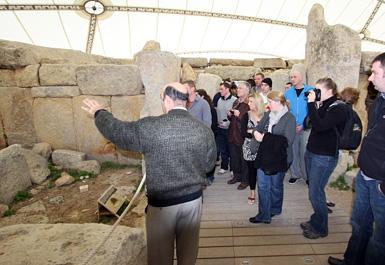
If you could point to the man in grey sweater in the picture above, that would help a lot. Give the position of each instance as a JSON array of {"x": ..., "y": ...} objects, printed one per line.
[{"x": 178, "y": 151}]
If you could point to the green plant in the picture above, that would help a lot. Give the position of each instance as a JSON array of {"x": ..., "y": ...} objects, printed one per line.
[
  {"x": 22, "y": 196},
  {"x": 340, "y": 183},
  {"x": 55, "y": 173},
  {"x": 80, "y": 173},
  {"x": 112, "y": 165},
  {"x": 9, "y": 212}
]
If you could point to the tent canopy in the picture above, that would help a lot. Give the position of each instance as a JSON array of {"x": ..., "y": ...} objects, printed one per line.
[{"x": 242, "y": 29}]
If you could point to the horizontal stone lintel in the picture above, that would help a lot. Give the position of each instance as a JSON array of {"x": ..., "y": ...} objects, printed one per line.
[{"x": 55, "y": 91}]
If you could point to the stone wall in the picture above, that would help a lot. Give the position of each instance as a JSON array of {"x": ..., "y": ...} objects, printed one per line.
[{"x": 41, "y": 89}]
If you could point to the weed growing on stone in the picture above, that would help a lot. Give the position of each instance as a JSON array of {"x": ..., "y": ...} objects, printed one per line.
[
  {"x": 22, "y": 196},
  {"x": 9, "y": 212},
  {"x": 340, "y": 183}
]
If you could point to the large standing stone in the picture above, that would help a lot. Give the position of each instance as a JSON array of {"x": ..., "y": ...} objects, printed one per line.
[
  {"x": 46, "y": 244},
  {"x": 54, "y": 122},
  {"x": 22, "y": 77},
  {"x": 109, "y": 79},
  {"x": 37, "y": 166},
  {"x": 89, "y": 139},
  {"x": 233, "y": 72},
  {"x": 152, "y": 46},
  {"x": 58, "y": 74},
  {"x": 55, "y": 91},
  {"x": 16, "y": 110},
  {"x": 366, "y": 61},
  {"x": 157, "y": 69},
  {"x": 280, "y": 78},
  {"x": 188, "y": 73},
  {"x": 14, "y": 173},
  {"x": 331, "y": 51},
  {"x": 195, "y": 62},
  {"x": 233, "y": 62},
  {"x": 269, "y": 63},
  {"x": 208, "y": 82}
]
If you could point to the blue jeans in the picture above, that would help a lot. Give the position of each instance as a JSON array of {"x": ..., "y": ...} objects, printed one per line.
[
  {"x": 270, "y": 195},
  {"x": 319, "y": 168},
  {"x": 223, "y": 146},
  {"x": 367, "y": 243}
]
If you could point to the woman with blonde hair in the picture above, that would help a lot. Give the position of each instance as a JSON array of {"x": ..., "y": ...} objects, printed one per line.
[
  {"x": 250, "y": 145},
  {"x": 275, "y": 132}
]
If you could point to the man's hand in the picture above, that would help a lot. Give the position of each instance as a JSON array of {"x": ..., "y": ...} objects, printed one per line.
[
  {"x": 298, "y": 128},
  {"x": 91, "y": 106}
]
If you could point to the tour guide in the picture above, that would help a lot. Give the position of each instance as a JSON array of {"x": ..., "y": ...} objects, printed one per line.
[{"x": 178, "y": 151}]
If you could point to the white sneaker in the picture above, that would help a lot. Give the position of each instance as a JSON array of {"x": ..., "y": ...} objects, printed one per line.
[{"x": 221, "y": 171}]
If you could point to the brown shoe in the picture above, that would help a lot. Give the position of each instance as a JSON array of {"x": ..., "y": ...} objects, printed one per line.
[
  {"x": 232, "y": 181},
  {"x": 242, "y": 186}
]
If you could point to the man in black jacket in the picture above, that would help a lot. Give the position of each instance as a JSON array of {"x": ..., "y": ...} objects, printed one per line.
[
  {"x": 178, "y": 150},
  {"x": 367, "y": 242}
]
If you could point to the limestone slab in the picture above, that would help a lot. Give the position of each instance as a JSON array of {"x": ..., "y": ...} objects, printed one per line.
[
  {"x": 208, "y": 82},
  {"x": 16, "y": 111},
  {"x": 233, "y": 62},
  {"x": 55, "y": 91},
  {"x": 54, "y": 122},
  {"x": 57, "y": 74},
  {"x": 188, "y": 73},
  {"x": 89, "y": 139},
  {"x": 269, "y": 63},
  {"x": 127, "y": 108},
  {"x": 233, "y": 72},
  {"x": 21, "y": 77},
  {"x": 196, "y": 62},
  {"x": 13, "y": 57},
  {"x": 66, "y": 158},
  {"x": 280, "y": 78},
  {"x": 108, "y": 79},
  {"x": 71, "y": 244}
]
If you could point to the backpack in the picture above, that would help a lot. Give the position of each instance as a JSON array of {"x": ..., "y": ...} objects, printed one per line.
[{"x": 350, "y": 137}]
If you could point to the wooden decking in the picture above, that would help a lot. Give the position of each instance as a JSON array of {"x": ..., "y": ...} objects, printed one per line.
[{"x": 227, "y": 238}]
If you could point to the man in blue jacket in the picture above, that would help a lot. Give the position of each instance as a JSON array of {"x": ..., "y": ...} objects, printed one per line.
[
  {"x": 367, "y": 243},
  {"x": 298, "y": 107}
]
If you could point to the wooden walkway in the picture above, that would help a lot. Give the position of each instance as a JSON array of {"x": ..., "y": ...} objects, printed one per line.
[{"x": 227, "y": 237}]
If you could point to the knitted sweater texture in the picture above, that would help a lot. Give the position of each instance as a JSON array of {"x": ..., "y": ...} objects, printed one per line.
[{"x": 178, "y": 150}]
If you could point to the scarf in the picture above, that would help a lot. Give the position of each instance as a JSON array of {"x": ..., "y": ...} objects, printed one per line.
[{"x": 274, "y": 117}]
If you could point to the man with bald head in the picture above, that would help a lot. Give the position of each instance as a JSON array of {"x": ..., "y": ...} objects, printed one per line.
[
  {"x": 298, "y": 107},
  {"x": 178, "y": 151}
]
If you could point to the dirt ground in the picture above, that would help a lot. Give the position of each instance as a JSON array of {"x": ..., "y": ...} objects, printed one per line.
[{"x": 67, "y": 204}]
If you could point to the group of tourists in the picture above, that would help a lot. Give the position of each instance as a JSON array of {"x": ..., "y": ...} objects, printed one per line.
[{"x": 260, "y": 135}]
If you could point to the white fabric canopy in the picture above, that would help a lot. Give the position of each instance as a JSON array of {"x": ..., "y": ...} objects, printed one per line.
[{"x": 243, "y": 29}]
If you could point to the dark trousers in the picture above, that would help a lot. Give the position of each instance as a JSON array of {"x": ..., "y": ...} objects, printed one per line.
[
  {"x": 223, "y": 146},
  {"x": 252, "y": 173},
  {"x": 238, "y": 164}
]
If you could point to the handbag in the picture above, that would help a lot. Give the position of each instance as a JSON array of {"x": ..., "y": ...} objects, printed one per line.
[{"x": 250, "y": 149}]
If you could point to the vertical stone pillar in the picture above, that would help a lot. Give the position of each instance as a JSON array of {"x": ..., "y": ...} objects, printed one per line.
[
  {"x": 331, "y": 51},
  {"x": 157, "y": 69}
]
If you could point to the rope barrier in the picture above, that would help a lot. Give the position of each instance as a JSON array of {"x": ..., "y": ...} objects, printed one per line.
[{"x": 116, "y": 223}]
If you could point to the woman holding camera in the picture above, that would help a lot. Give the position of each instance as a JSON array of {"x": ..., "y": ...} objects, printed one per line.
[{"x": 322, "y": 151}]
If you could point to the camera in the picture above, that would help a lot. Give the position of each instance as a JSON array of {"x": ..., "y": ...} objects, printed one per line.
[
  {"x": 232, "y": 111},
  {"x": 317, "y": 94}
]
